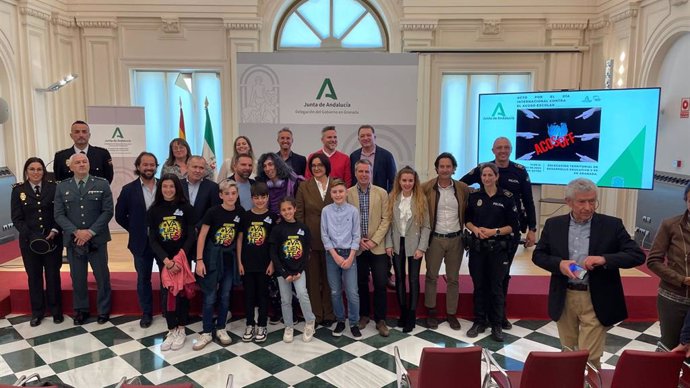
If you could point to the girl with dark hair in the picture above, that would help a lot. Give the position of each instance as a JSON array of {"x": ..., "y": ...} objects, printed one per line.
[
  {"x": 280, "y": 179},
  {"x": 39, "y": 239},
  {"x": 407, "y": 240},
  {"x": 171, "y": 231}
]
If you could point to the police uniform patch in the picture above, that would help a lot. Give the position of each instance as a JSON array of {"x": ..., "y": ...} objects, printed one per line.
[
  {"x": 479, "y": 202},
  {"x": 22, "y": 196}
]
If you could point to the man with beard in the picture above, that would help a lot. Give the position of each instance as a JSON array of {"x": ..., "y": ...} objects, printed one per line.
[
  {"x": 340, "y": 162},
  {"x": 130, "y": 212},
  {"x": 244, "y": 165}
]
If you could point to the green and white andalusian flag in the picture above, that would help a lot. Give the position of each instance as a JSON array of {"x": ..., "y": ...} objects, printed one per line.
[{"x": 209, "y": 150}]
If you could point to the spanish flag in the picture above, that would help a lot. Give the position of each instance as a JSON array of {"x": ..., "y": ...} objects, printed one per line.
[{"x": 182, "y": 134}]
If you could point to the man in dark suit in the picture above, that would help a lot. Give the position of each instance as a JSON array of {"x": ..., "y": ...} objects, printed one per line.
[
  {"x": 101, "y": 164},
  {"x": 135, "y": 199},
  {"x": 83, "y": 208},
  {"x": 585, "y": 304},
  {"x": 381, "y": 159},
  {"x": 297, "y": 162},
  {"x": 201, "y": 193}
]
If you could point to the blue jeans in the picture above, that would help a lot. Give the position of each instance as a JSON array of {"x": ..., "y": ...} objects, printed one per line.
[
  {"x": 224, "y": 288},
  {"x": 336, "y": 277},
  {"x": 144, "y": 266},
  {"x": 286, "y": 299}
]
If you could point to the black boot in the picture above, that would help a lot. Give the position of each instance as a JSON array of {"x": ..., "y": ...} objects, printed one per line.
[
  {"x": 402, "y": 321},
  {"x": 497, "y": 333},
  {"x": 410, "y": 322}
]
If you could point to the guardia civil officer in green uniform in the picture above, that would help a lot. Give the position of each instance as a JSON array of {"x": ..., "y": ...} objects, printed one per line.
[
  {"x": 83, "y": 208},
  {"x": 492, "y": 219},
  {"x": 39, "y": 239},
  {"x": 514, "y": 178}
]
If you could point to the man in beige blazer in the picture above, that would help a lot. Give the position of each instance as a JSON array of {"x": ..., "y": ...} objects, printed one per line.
[{"x": 372, "y": 202}]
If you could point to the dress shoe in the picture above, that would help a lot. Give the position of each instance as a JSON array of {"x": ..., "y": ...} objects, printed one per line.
[
  {"x": 402, "y": 321},
  {"x": 506, "y": 325},
  {"x": 145, "y": 321},
  {"x": 382, "y": 328},
  {"x": 58, "y": 318},
  {"x": 432, "y": 322},
  {"x": 81, "y": 318},
  {"x": 326, "y": 323},
  {"x": 35, "y": 321},
  {"x": 497, "y": 333},
  {"x": 453, "y": 322},
  {"x": 475, "y": 330},
  {"x": 103, "y": 318},
  {"x": 363, "y": 322}
]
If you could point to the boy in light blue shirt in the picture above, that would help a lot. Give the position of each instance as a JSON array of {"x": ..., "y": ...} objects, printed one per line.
[{"x": 340, "y": 233}]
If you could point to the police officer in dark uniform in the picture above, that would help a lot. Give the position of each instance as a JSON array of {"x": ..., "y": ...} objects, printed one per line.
[
  {"x": 491, "y": 218},
  {"x": 39, "y": 239},
  {"x": 99, "y": 158},
  {"x": 514, "y": 178}
]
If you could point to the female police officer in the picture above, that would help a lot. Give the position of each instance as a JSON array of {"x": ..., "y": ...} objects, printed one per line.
[
  {"x": 492, "y": 218},
  {"x": 39, "y": 239}
]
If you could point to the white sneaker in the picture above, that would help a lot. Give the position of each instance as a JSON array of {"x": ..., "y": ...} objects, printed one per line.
[
  {"x": 203, "y": 340},
  {"x": 288, "y": 334},
  {"x": 180, "y": 337},
  {"x": 223, "y": 337},
  {"x": 167, "y": 343},
  {"x": 308, "y": 331},
  {"x": 248, "y": 334},
  {"x": 261, "y": 334}
]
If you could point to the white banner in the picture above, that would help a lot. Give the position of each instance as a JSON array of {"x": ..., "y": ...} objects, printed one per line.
[
  {"x": 121, "y": 130},
  {"x": 308, "y": 91}
]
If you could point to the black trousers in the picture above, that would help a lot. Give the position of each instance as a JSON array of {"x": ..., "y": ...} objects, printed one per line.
[
  {"x": 407, "y": 301},
  {"x": 256, "y": 295},
  {"x": 36, "y": 265},
  {"x": 179, "y": 316},
  {"x": 671, "y": 319},
  {"x": 488, "y": 269},
  {"x": 378, "y": 266}
]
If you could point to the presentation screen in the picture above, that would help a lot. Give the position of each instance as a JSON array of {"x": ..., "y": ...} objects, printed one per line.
[{"x": 608, "y": 136}]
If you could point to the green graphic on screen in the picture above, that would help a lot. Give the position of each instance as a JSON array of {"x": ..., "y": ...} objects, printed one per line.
[{"x": 626, "y": 171}]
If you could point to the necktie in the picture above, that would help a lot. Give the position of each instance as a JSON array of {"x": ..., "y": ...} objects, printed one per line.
[
  {"x": 82, "y": 152},
  {"x": 37, "y": 189},
  {"x": 81, "y": 187}
]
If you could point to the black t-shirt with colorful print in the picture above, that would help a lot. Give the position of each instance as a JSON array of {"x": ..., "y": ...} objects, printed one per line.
[{"x": 256, "y": 229}]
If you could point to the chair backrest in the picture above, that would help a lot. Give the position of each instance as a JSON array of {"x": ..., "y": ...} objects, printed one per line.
[
  {"x": 450, "y": 367},
  {"x": 544, "y": 369},
  {"x": 637, "y": 368}
]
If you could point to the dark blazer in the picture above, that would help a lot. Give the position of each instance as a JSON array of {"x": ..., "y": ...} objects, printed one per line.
[
  {"x": 32, "y": 215},
  {"x": 100, "y": 163},
  {"x": 608, "y": 238},
  {"x": 297, "y": 162},
  {"x": 309, "y": 207},
  {"x": 384, "y": 169},
  {"x": 91, "y": 210},
  {"x": 130, "y": 213},
  {"x": 205, "y": 198}
]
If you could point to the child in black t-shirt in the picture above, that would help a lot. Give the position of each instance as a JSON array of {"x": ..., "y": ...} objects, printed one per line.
[
  {"x": 289, "y": 243},
  {"x": 216, "y": 260},
  {"x": 254, "y": 262}
]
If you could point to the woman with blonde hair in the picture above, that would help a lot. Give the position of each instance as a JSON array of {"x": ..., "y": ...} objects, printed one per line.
[{"x": 407, "y": 240}]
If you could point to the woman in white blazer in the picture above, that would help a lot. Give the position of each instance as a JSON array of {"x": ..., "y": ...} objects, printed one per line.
[{"x": 407, "y": 240}]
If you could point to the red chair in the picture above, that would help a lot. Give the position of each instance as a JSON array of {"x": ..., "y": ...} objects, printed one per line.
[
  {"x": 641, "y": 369},
  {"x": 443, "y": 367},
  {"x": 543, "y": 370}
]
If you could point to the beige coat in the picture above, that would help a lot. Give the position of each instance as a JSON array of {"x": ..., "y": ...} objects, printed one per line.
[{"x": 378, "y": 215}]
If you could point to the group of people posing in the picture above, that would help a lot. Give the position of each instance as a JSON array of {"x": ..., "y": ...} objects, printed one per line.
[{"x": 320, "y": 225}]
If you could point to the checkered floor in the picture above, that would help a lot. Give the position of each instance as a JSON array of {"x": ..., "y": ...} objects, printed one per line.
[{"x": 96, "y": 355}]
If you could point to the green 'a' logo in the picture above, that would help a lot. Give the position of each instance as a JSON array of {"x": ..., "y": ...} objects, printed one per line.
[
  {"x": 117, "y": 133},
  {"x": 331, "y": 90},
  {"x": 498, "y": 110}
]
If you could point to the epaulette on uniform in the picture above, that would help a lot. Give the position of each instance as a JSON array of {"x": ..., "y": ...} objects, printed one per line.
[
  {"x": 98, "y": 177},
  {"x": 520, "y": 166},
  {"x": 17, "y": 184},
  {"x": 473, "y": 189},
  {"x": 507, "y": 193}
]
